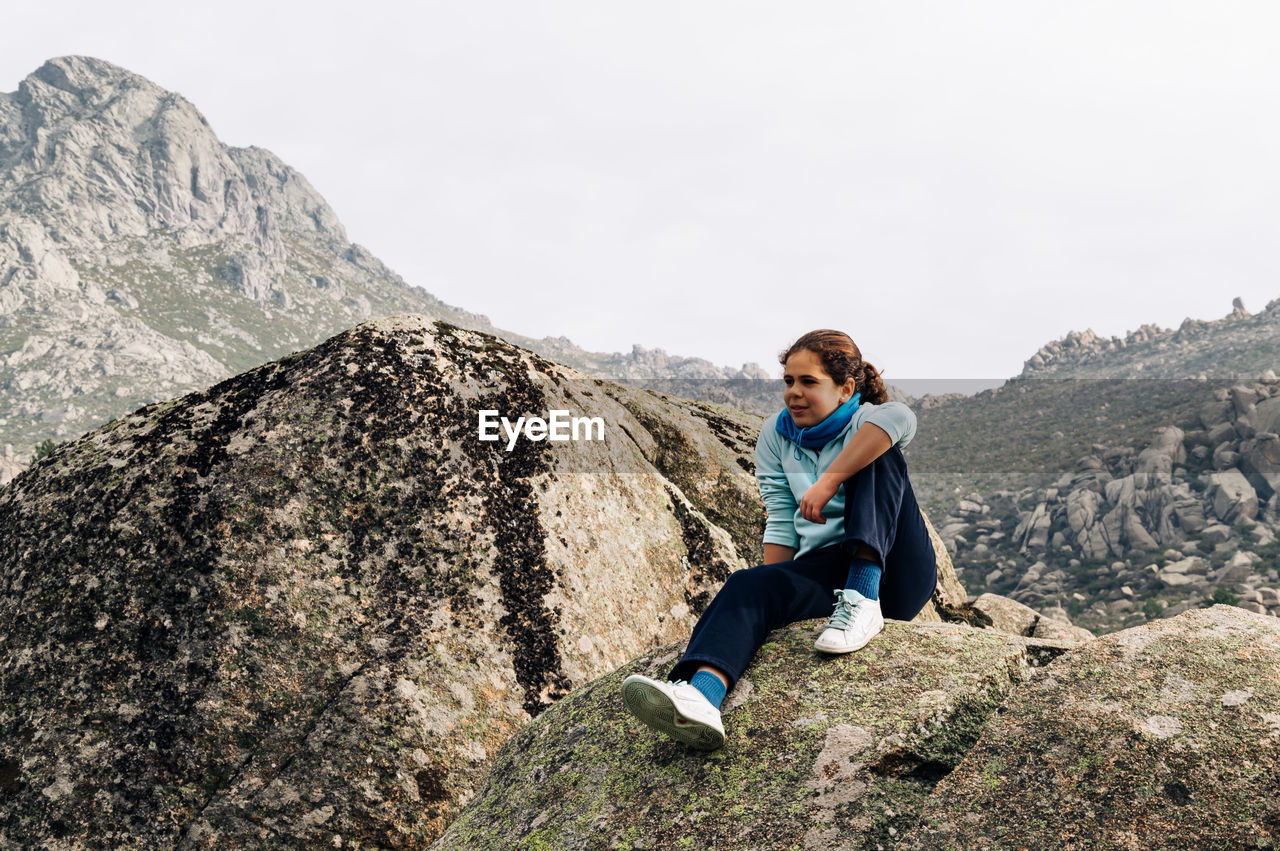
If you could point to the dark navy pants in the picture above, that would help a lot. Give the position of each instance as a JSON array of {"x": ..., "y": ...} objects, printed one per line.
[{"x": 880, "y": 511}]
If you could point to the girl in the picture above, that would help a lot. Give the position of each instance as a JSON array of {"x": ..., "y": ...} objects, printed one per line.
[{"x": 842, "y": 519}]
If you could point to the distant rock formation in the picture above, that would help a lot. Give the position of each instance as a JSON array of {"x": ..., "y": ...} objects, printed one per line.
[
  {"x": 1192, "y": 511},
  {"x": 310, "y": 603},
  {"x": 933, "y": 736},
  {"x": 1240, "y": 345}
]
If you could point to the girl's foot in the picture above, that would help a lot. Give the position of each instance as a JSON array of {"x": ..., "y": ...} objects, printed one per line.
[
  {"x": 675, "y": 708},
  {"x": 855, "y": 621}
]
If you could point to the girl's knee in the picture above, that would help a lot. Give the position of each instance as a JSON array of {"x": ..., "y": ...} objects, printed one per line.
[
  {"x": 758, "y": 577},
  {"x": 893, "y": 463}
]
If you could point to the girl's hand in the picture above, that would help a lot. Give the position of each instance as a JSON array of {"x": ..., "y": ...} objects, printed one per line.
[{"x": 816, "y": 498}]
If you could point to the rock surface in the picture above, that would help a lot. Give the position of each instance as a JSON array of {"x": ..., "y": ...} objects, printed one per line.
[
  {"x": 309, "y": 603},
  {"x": 1011, "y": 616},
  {"x": 933, "y": 736},
  {"x": 1160, "y": 736},
  {"x": 821, "y": 752}
]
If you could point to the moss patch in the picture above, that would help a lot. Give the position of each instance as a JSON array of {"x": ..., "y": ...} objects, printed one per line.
[{"x": 820, "y": 744}]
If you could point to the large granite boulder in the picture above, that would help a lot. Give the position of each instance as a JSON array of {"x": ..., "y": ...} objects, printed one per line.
[
  {"x": 821, "y": 751},
  {"x": 1233, "y": 497},
  {"x": 1157, "y": 460},
  {"x": 933, "y": 736},
  {"x": 1266, "y": 416},
  {"x": 1260, "y": 462},
  {"x": 1161, "y": 736},
  {"x": 310, "y": 603}
]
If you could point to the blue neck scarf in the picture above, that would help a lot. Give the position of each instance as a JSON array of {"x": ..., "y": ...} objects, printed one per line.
[{"x": 818, "y": 436}]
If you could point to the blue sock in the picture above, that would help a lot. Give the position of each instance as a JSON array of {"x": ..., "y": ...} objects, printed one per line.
[
  {"x": 710, "y": 686},
  {"x": 864, "y": 577}
]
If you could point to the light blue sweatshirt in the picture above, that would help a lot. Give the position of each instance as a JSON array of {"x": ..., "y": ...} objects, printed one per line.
[{"x": 784, "y": 478}]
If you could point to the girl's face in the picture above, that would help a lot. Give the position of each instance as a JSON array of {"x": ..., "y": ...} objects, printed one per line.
[{"x": 811, "y": 395}]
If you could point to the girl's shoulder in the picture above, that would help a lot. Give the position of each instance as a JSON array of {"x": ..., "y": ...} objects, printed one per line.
[
  {"x": 890, "y": 407},
  {"x": 770, "y": 441},
  {"x": 866, "y": 409}
]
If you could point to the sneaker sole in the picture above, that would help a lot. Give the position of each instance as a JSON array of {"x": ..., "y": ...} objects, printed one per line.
[
  {"x": 656, "y": 710},
  {"x": 840, "y": 649}
]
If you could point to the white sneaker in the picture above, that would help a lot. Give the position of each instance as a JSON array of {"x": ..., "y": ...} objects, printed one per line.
[
  {"x": 855, "y": 621},
  {"x": 675, "y": 708}
]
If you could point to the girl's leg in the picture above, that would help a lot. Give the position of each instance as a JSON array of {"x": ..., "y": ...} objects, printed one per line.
[
  {"x": 882, "y": 521},
  {"x": 881, "y": 513},
  {"x": 755, "y": 601}
]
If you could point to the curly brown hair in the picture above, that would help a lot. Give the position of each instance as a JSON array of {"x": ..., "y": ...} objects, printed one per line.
[{"x": 842, "y": 360}]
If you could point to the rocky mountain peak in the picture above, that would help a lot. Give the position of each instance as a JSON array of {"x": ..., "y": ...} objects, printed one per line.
[
  {"x": 83, "y": 76},
  {"x": 109, "y": 154},
  {"x": 66, "y": 87}
]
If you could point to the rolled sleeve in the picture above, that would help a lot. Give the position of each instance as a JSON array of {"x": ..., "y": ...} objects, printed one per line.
[
  {"x": 779, "y": 501},
  {"x": 897, "y": 420}
]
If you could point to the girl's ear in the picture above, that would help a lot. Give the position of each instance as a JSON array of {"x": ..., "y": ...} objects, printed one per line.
[{"x": 846, "y": 391}]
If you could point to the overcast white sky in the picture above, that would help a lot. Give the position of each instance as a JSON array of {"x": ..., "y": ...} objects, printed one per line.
[{"x": 954, "y": 184}]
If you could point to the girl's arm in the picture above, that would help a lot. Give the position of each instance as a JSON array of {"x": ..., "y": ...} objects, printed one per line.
[
  {"x": 868, "y": 443},
  {"x": 780, "y": 503},
  {"x": 774, "y": 553}
]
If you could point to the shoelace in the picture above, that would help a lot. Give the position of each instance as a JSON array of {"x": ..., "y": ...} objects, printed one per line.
[{"x": 846, "y": 608}]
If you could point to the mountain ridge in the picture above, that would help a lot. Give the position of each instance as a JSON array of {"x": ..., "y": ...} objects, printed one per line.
[
  {"x": 141, "y": 258},
  {"x": 1238, "y": 345}
]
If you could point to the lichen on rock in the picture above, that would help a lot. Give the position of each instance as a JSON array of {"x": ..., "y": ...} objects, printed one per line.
[
  {"x": 932, "y": 736},
  {"x": 823, "y": 752},
  {"x": 1158, "y": 736},
  {"x": 309, "y": 602}
]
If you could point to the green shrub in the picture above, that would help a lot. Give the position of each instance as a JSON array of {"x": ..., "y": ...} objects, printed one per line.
[
  {"x": 44, "y": 449},
  {"x": 1224, "y": 596}
]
